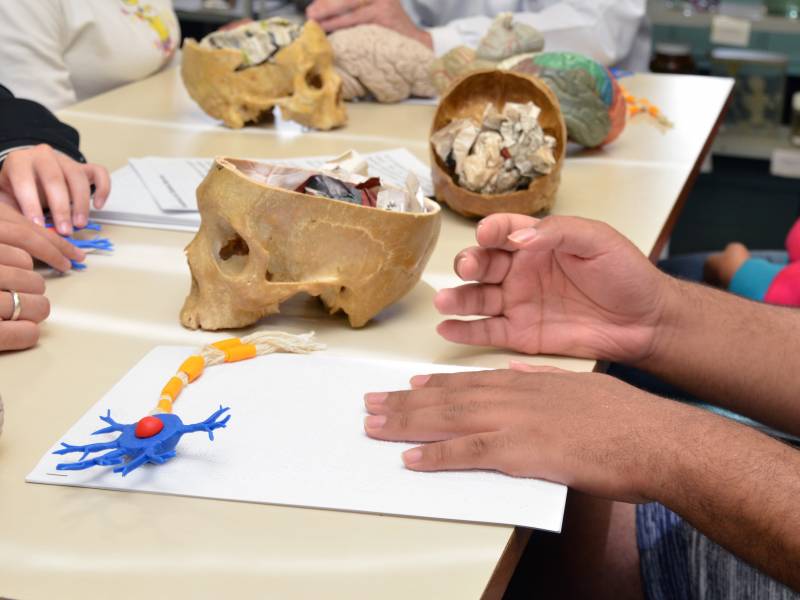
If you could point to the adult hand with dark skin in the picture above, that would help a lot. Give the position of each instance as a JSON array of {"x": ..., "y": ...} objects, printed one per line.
[
  {"x": 581, "y": 429},
  {"x": 576, "y": 287},
  {"x": 341, "y": 14},
  {"x": 606, "y": 438},
  {"x": 543, "y": 287},
  {"x": 571, "y": 286}
]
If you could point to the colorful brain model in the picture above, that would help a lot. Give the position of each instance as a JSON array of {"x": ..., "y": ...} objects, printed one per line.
[{"x": 590, "y": 97}]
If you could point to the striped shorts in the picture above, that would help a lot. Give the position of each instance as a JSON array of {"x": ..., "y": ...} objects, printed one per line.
[{"x": 680, "y": 563}]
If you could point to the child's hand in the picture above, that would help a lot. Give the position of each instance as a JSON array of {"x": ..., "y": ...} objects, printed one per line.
[
  {"x": 40, "y": 177},
  {"x": 20, "y": 235}
]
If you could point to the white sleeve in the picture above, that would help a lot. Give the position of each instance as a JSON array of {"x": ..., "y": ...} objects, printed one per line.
[
  {"x": 32, "y": 40},
  {"x": 601, "y": 29}
]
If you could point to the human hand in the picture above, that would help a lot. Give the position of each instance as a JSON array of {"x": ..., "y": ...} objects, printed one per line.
[
  {"x": 19, "y": 233},
  {"x": 589, "y": 431},
  {"x": 40, "y": 177},
  {"x": 558, "y": 285},
  {"x": 340, "y": 14},
  {"x": 16, "y": 273}
]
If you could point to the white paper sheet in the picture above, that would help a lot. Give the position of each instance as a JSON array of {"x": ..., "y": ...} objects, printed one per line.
[
  {"x": 296, "y": 438},
  {"x": 131, "y": 204},
  {"x": 172, "y": 182}
]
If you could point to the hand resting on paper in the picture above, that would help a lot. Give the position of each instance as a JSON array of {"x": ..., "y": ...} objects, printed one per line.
[
  {"x": 576, "y": 287},
  {"x": 541, "y": 423},
  {"x": 37, "y": 178}
]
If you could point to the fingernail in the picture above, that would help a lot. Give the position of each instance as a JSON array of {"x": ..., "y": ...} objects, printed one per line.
[
  {"x": 459, "y": 261},
  {"x": 374, "y": 422},
  {"x": 419, "y": 380},
  {"x": 64, "y": 228},
  {"x": 376, "y": 398},
  {"x": 523, "y": 235},
  {"x": 79, "y": 221},
  {"x": 39, "y": 221},
  {"x": 412, "y": 457}
]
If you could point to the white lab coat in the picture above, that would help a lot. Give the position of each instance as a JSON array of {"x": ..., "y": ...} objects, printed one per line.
[
  {"x": 57, "y": 52},
  {"x": 612, "y": 32}
]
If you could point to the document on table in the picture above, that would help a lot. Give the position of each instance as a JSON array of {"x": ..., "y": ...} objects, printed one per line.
[
  {"x": 171, "y": 183},
  {"x": 296, "y": 438}
]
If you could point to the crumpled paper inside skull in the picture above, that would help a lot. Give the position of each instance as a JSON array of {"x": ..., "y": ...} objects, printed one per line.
[
  {"x": 258, "y": 41},
  {"x": 344, "y": 178},
  {"x": 502, "y": 153}
]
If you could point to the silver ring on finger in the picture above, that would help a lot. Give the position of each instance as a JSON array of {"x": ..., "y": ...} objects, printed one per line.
[{"x": 16, "y": 306}]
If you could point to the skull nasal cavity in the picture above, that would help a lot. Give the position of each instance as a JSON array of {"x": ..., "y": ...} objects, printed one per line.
[
  {"x": 235, "y": 247},
  {"x": 314, "y": 80}
]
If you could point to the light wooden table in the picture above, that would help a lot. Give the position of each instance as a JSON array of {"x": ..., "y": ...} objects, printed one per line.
[{"x": 77, "y": 543}]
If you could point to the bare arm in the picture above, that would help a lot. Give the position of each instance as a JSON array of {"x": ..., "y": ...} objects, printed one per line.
[
  {"x": 576, "y": 287},
  {"x": 606, "y": 438},
  {"x": 741, "y": 354},
  {"x": 740, "y": 488}
]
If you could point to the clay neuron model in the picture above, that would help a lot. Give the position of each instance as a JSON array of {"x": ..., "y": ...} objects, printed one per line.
[
  {"x": 498, "y": 142},
  {"x": 591, "y": 101},
  {"x": 239, "y": 75},
  {"x": 269, "y": 232},
  {"x": 381, "y": 63},
  {"x": 153, "y": 439}
]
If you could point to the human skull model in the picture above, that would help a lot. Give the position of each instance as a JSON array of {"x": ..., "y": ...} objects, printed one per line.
[
  {"x": 240, "y": 75},
  {"x": 259, "y": 245}
]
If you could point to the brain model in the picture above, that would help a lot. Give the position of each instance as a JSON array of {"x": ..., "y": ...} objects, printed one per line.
[
  {"x": 374, "y": 60},
  {"x": 591, "y": 99}
]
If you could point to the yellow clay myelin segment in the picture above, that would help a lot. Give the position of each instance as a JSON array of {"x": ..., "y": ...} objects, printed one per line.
[
  {"x": 193, "y": 367},
  {"x": 225, "y": 344},
  {"x": 241, "y": 352},
  {"x": 165, "y": 405}
]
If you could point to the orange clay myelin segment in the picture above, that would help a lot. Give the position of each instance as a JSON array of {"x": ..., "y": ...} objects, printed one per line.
[
  {"x": 241, "y": 352},
  {"x": 173, "y": 388},
  {"x": 193, "y": 367},
  {"x": 225, "y": 344}
]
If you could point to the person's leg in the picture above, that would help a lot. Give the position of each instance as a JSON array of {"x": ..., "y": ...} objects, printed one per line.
[
  {"x": 595, "y": 556},
  {"x": 720, "y": 267}
]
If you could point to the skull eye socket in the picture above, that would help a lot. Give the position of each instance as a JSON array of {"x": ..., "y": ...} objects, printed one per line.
[
  {"x": 234, "y": 247},
  {"x": 314, "y": 80},
  {"x": 233, "y": 252}
]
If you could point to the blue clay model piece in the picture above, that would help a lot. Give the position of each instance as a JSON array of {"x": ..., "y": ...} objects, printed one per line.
[{"x": 150, "y": 440}]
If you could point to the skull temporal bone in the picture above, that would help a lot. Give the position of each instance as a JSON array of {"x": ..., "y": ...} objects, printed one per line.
[{"x": 259, "y": 245}]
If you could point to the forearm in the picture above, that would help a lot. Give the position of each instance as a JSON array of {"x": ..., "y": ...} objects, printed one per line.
[
  {"x": 738, "y": 487},
  {"x": 740, "y": 354}
]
